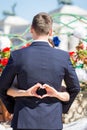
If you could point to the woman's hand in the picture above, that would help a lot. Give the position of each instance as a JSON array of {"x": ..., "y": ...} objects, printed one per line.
[
  {"x": 14, "y": 92},
  {"x": 32, "y": 91},
  {"x": 51, "y": 92}
]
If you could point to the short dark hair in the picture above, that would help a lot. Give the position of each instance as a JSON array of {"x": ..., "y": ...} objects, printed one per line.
[{"x": 42, "y": 23}]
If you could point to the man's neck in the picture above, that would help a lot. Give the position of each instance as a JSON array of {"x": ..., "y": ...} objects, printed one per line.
[{"x": 41, "y": 38}]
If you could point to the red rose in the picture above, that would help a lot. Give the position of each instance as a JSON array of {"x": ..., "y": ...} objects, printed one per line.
[
  {"x": 4, "y": 61},
  {"x": 71, "y": 53},
  {"x": 6, "y": 49}
]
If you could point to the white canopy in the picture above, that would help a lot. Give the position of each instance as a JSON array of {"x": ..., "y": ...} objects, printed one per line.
[
  {"x": 14, "y": 20},
  {"x": 13, "y": 24}
]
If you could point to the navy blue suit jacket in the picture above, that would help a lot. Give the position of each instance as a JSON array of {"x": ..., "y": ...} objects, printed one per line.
[{"x": 38, "y": 63}]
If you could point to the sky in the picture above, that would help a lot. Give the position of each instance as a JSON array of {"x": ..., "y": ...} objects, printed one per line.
[{"x": 28, "y": 8}]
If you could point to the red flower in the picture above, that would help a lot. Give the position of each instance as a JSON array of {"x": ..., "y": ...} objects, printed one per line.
[
  {"x": 23, "y": 47},
  {"x": 6, "y": 49},
  {"x": 71, "y": 53},
  {"x": 4, "y": 61},
  {"x": 28, "y": 44},
  {"x": 0, "y": 61}
]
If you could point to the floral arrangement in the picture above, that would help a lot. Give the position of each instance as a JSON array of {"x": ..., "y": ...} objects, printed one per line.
[
  {"x": 79, "y": 61},
  {"x": 79, "y": 57},
  {"x": 4, "y": 55}
]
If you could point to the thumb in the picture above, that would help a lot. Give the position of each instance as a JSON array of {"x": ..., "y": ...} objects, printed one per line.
[
  {"x": 45, "y": 95},
  {"x": 42, "y": 86},
  {"x": 45, "y": 86}
]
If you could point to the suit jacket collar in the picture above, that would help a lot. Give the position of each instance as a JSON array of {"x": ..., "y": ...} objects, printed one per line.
[{"x": 40, "y": 43}]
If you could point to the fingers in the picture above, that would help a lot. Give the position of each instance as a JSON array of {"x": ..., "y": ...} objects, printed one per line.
[
  {"x": 38, "y": 96},
  {"x": 33, "y": 90},
  {"x": 34, "y": 94},
  {"x": 45, "y": 85},
  {"x": 38, "y": 85},
  {"x": 45, "y": 95}
]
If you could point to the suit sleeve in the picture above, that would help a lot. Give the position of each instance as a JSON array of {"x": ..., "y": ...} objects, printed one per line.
[
  {"x": 6, "y": 81},
  {"x": 72, "y": 83}
]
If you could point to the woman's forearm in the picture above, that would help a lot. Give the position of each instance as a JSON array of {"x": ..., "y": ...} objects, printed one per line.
[
  {"x": 14, "y": 92},
  {"x": 63, "y": 96}
]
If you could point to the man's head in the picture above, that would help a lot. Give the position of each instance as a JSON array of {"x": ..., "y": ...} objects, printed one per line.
[{"x": 42, "y": 24}]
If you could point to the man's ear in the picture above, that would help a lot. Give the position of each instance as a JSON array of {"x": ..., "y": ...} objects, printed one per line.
[
  {"x": 50, "y": 32},
  {"x": 31, "y": 29}
]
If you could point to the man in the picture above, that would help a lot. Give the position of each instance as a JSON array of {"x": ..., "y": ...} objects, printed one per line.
[{"x": 40, "y": 70}]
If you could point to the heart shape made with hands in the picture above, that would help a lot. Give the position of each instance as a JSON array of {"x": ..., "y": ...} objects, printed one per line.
[{"x": 41, "y": 91}]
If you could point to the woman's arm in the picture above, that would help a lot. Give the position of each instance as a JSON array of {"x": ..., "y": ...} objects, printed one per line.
[
  {"x": 51, "y": 92},
  {"x": 63, "y": 96},
  {"x": 15, "y": 92}
]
